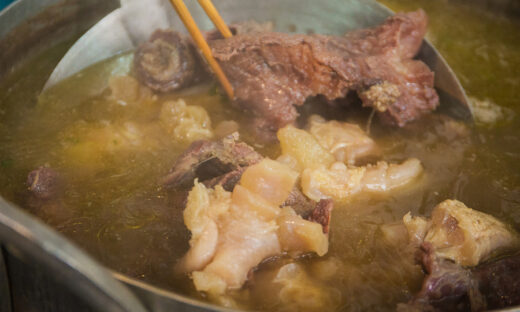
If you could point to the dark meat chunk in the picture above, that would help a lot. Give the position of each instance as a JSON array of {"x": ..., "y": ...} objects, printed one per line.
[
  {"x": 447, "y": 287},
  {"x": 273, "y": 72},
  {"x": 44, "y": 183},
  {"x": 166, "y": 61},
  {"x": 499, "y": 282},
  {"x": 321, "y": 214},
  {"x": 207, "y": 160},
  {"x": 45, "y": 196},
  {"x": 451, "y": 287},
  {"x": 169, "y": 61},
  {"x": 226, "y": 180},
  {"x": 301, "y": 204}
]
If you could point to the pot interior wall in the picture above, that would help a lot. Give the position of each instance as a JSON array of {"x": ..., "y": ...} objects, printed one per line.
[{"x": 30, "y": 27}]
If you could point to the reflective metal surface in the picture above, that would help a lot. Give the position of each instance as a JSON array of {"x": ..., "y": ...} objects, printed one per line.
[{"x": 55, "y": 264}]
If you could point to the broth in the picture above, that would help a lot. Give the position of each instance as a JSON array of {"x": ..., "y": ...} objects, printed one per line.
[{"x": 118, "y": 212}]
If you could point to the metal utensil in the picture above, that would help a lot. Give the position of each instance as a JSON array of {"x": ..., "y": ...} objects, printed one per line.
[{"x": 135, "y": 20}]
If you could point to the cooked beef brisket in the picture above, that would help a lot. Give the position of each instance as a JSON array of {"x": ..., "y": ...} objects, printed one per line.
[
  {"x": 451, "y": 287},
  {"x": 44, "y": 183},
  {"x": 166, "y": 61},
  {"x": 499, "y": 282},
  {"x": 273, "y": 72},
  {"x": 447, "y": 287},
  {"x": 45, "y": 196},
  {"x": 207, "y": 160}
]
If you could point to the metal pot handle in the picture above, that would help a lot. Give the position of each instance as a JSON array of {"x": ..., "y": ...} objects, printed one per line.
[{"x": 28, "y": 238}]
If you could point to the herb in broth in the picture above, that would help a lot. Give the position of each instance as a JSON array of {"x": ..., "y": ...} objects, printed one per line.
[{"x": 122, "y": 215}]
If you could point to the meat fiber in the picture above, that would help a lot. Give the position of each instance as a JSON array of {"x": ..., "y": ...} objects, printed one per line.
[
  {"x": 273, "y": 72},
  {"x": 499, "y": 282},
  {"x": 166, "y": 61},
  {"x": 451, "y": 287},
  {"x": 44, "y": 183},
  {"x": 321, "y": 214},
  {"x": 446, "y": 287},
  {"x": 452, "y": 246},
  {"x": 211, "y": 159},
  {"x": 45, "y": 196}
]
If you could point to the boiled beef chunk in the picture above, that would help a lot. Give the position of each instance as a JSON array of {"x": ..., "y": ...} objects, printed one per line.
[
  {"x": 458, "y": 251},
  {"x": 207, "y": 160},
  {"x": 450, "y": 287},
  {"x": 273, "y": 72},
  {"x": 44, "y": 183},
  {"x": 499, "y": 282},
  {"x": 166, "y": 62},
  {"x": 45, "y": 195},
  {"x": 447, "y": 287}
]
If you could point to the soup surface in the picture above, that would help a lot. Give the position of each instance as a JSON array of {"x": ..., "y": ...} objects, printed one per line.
[{"x": 112, "y": 153}]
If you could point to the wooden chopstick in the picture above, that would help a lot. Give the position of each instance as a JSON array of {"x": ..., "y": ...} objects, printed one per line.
[
  {"x": 195, "y": 33},
  {"x": 215, "y": 17}
]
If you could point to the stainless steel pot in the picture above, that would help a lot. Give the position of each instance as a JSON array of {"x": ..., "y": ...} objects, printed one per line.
[{"x": 39, "y": 269}]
